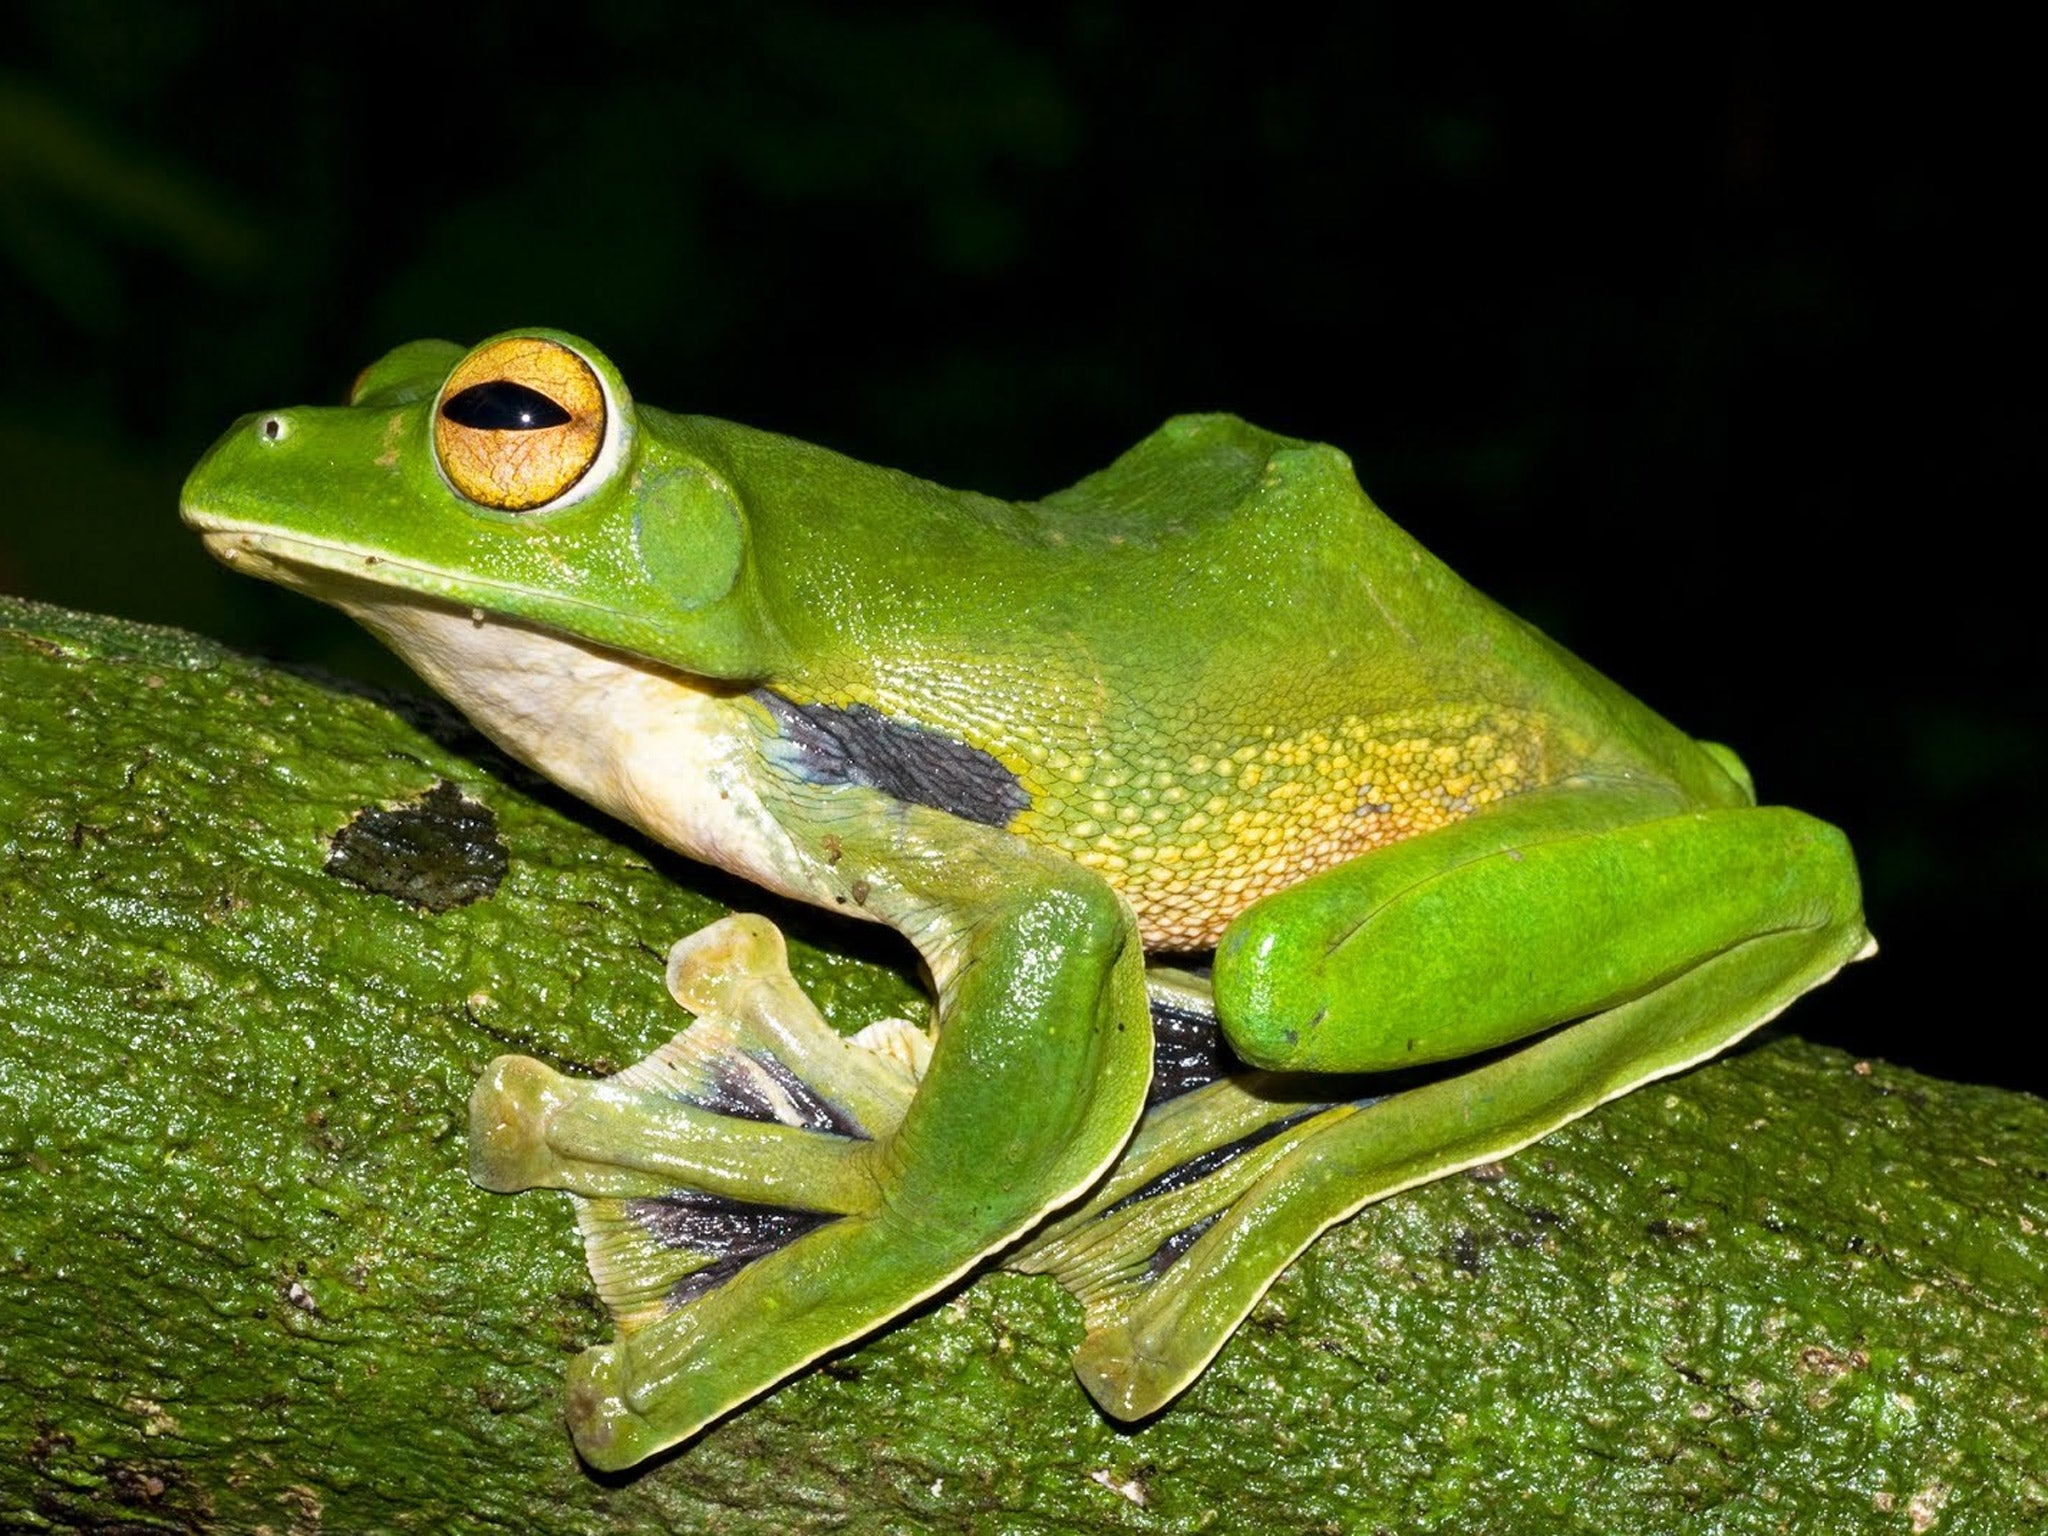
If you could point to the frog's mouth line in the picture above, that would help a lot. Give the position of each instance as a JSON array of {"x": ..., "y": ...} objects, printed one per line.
[
  {"x": 317, "y": 566},
  {"x": 369, "y": 588}
]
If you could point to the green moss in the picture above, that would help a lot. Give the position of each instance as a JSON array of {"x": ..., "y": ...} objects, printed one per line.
[{"x": 244, "y": 1282}]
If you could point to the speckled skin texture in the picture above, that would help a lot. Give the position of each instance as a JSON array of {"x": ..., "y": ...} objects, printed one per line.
[
  {"x": 1193, "y": 839},
  {"x": 1382, "y": 698},
  {"x": 245, "y": 1284}
]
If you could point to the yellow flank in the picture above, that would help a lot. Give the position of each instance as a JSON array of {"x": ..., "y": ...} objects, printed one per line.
[{"x": 1191, "y": 843}]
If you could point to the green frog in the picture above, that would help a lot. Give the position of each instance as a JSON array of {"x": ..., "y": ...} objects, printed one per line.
[{"x": 1452, "y": 887}]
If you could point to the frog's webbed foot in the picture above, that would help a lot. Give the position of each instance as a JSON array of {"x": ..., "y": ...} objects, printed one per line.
[
  {"x": 760, "y": 1191},
  {"x": 751, "y": 1129},
  {"x": 1175, "y": 1245},
  {"x": 738, "y": 1136}
]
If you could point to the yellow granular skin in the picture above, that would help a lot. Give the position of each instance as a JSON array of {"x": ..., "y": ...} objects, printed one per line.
[{"x": 1191, "y": 843}]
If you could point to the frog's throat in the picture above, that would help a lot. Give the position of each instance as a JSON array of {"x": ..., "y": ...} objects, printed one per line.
[{"x": 673, "y": 755}]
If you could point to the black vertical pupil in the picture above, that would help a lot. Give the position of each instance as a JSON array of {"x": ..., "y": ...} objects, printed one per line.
[{"x": 499, "y": 405}]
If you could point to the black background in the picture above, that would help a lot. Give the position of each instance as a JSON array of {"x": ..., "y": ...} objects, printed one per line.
[{"x": 1695, "y": 335}]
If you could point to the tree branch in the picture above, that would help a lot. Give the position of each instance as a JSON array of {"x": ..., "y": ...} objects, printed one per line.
[{"x": 245, "y": 1284}]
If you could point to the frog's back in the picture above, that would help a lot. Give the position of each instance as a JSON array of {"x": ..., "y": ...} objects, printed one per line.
[{"x": 1210, "y": 670}]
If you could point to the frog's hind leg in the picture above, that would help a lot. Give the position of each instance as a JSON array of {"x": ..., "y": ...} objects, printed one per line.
[{"x": 1219, "y": 1191}]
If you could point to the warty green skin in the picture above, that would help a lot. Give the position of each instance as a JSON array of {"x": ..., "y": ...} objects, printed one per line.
[{"x": 1219, "y": 584}]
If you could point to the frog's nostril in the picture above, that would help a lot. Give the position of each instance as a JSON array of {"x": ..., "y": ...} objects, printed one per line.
[{"x": 274, "y": 429}]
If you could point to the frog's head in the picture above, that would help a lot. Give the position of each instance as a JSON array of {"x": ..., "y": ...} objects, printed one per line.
[{"x": 514, "y": 479}]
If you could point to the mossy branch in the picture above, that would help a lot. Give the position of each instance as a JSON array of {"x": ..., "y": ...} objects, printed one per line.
[{"x": 245, "y": 1285}]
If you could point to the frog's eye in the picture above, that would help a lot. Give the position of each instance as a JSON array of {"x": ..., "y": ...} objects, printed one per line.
[{"x": 519, "y": 423}]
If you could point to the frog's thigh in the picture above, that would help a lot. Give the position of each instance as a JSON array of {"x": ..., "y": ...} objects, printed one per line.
[
  {"x": 1164, "y": 1293},
  {"x": 1165, "y": 1288},
  {"x": 1037, "y": 1077},
  {"x": 1553, "y": 906}
]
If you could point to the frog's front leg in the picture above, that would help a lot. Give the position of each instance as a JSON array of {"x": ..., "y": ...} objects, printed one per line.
[
  {"x": 1037, "y": 1076},
  {"x": 1641, "y": 936}
]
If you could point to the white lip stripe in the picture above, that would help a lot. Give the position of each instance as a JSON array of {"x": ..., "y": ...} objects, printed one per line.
[{"x": 310, "y": 565}]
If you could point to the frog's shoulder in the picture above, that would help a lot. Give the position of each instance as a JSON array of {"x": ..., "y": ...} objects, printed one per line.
[{"x": 1210, "y": 473}]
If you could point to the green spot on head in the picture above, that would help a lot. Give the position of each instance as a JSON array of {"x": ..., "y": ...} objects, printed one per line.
[{"x": 687, "y": 531}]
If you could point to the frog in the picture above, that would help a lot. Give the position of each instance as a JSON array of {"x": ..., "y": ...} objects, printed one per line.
[{"x": 1205, "y": 736}]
